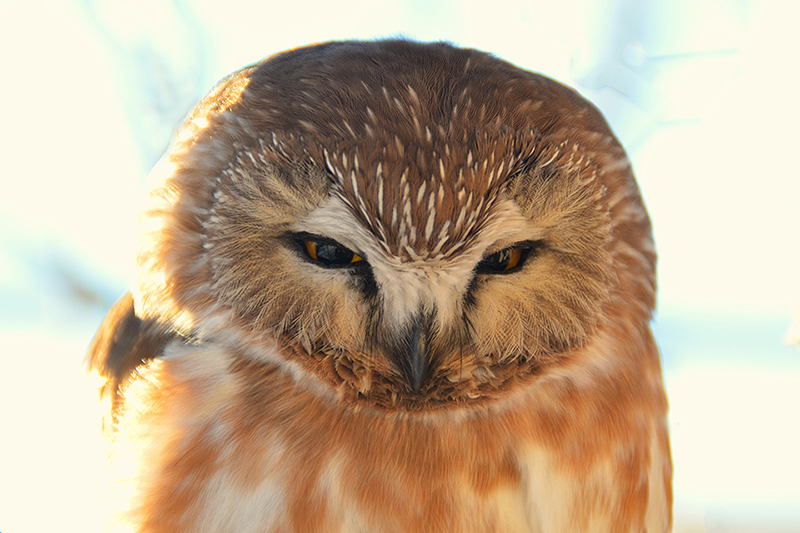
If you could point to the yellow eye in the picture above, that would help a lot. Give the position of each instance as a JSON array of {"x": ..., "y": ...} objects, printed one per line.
[
  {"x": 311, "y": 247},
  {"x": 331, "y": 254},
  {"x": 509, "y": 259}
]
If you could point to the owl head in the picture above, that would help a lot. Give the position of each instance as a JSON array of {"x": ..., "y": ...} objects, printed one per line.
[{"x": 414, "y": 226}]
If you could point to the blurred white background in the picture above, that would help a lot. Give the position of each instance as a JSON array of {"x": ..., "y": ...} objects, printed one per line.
[{"x": 702, "y": 93}]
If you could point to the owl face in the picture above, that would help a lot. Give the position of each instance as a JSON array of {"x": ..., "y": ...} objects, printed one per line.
[{"x": 412, "y": 225}]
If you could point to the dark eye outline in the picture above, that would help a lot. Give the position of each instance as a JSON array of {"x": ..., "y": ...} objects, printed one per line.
[
  {"x": 307, "y": 245},
  {"x": 509, "y": 260}
]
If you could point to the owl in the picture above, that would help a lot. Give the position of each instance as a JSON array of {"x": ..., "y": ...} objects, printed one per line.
[{"x": 390, "y": 286}]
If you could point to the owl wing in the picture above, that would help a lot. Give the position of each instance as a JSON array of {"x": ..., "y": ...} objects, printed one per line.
[{"x": 123, "y": 342}]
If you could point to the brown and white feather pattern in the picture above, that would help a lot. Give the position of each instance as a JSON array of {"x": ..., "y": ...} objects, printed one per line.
[{"x": 419, "y": 390}]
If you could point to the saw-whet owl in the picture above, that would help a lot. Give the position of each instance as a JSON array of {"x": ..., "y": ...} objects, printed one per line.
[{"x": 390, "y": 286}]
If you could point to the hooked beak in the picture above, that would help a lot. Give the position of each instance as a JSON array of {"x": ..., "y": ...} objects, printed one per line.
[{"x": 411, "y": 353}]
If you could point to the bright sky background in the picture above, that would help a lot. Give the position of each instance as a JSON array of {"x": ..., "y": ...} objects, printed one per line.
[{"x": 702, "y": 93}]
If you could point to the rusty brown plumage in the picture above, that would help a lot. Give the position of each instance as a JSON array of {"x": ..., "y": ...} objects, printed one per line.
[{"x": 412, "y": 377}]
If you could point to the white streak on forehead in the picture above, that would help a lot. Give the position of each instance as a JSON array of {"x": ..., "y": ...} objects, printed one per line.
[
  {"x": 421, "y": 192},
  {"x": 379, "y": 177},
  {"x": 413, "y": 94},
  {"x": 354, "y": 183}
]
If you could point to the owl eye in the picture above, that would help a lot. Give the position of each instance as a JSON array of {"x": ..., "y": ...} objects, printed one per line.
[
  {"x": 507, "y": 260},
  {"x": 330, "y": 254}
]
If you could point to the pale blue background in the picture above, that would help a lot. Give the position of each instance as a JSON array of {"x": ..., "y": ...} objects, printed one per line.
[{"x": 702, "y": 93}]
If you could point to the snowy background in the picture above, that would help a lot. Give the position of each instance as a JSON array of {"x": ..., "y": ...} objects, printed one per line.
[{"x": 702, "y": 93}]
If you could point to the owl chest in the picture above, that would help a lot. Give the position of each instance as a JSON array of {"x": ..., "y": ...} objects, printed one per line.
[
  {"x": 228, "y": 456},
  {"x": 220, "y": 452}
]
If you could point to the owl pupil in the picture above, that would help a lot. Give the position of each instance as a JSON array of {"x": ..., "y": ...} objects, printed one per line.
[{"x": 329, "y": 253}]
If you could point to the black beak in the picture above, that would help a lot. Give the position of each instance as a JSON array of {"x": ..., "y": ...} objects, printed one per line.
[
  {"x": 411, "y": 353},
  {"x": 417, "y": 357}
]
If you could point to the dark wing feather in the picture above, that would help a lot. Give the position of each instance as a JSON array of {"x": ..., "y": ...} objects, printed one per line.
[{"x": 123, "y": 342}]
